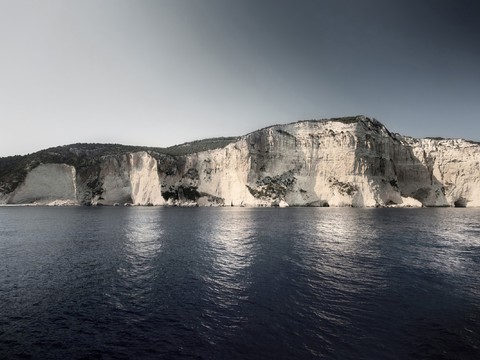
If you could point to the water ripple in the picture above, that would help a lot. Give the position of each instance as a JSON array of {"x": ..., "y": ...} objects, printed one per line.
[{"x": 239, "y": 283}]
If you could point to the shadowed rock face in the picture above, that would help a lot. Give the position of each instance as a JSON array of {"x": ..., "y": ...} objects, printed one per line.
[
  {"x": 339, "y": 162},
  {"x": 47, "y": 184}
]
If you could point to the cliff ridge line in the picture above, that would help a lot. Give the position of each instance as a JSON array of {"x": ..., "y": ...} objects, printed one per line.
[{"x": 351, "y": 161}]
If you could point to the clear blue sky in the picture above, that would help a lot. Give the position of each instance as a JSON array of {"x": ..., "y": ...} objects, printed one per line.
[{"x": 158, "y": 73}]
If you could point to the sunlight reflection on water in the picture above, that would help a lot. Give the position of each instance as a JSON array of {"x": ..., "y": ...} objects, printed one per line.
[
  {"x": 140, "y": 243},
  {"x": 143, "y": 238},
  {"x": 336, "y": 245},
  {"x": 231, "y": 240},
  {"x": 239, "y": 283}
]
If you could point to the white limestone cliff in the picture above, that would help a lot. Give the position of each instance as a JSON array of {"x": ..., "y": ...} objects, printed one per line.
[
  {"x": 131, "y": 178},
  {"x": 338, "y": 162},
  {"x": 355, "y": 162},
  {"x": 47, "y": 184},
  {"x": 144, "y": 179},
  {"x": 454, "y": 166}
]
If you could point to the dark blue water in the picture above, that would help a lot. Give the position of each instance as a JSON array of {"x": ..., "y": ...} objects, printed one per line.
[{"x": 238, "y": 283}]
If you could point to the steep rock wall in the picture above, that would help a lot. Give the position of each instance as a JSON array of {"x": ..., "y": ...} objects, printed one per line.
[
  {"x": 144, "y": 180},
  {"x": 338, "y": 162},
  {"x": 129, "y": 178},
  {"x": 216, "y": 177},
  {"x": 114, "y": 178},
  {"x": 453, "y": 169},
  {"x": 47, "y": 184},
  {"x": 330, "y": 163},
  {"x": 313, "y": 163}
]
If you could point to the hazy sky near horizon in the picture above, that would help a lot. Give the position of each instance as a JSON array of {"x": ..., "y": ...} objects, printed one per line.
[{"x": 159, "y": 73}]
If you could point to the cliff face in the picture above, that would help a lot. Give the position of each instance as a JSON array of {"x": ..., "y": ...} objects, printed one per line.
[
  {"x": 338, "y": 162},
  {"x": 47, "y": 184},
  {"x": 452, "y": 166},
  {"x": 125, "y": 179},
  {"x": 355, "y": 162}
]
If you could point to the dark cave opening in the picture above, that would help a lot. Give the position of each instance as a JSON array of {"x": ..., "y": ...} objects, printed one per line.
[{"x": 460, "y": 203}]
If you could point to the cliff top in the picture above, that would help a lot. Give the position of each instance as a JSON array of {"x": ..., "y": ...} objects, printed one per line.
[{"x": 345, "y": 120}]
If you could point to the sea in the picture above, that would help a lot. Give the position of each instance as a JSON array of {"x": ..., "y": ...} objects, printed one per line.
[{"x": 239, "y": 283}]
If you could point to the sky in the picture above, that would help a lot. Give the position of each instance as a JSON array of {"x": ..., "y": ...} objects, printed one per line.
[{"x": 159, "y": 73}]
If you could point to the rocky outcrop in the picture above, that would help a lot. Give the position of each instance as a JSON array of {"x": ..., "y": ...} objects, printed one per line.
[
  {"x": 125, "y": 179},
  {"x": 47, "y": 184},
  {"x": 338, "y": 162},
  {"x": 452, "y": 167}
]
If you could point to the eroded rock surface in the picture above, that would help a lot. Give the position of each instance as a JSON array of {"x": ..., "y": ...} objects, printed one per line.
[
  {"x": 47, "y": 184},
  {"x": 338, "y": 162}
]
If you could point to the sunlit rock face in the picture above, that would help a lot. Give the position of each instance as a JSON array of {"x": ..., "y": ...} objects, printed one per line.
[
  {"x": 339, "y": 162},
  {"x": 127, "y": 179},
  {"x": 124, "y": 179},
  {"x": 144, "y": 179},
  {"x": 47, "y": 184},
  {"x": 215, "y": 177},
  {"x": 346, "y": 162},
  {"x": 310, "y": 163}
]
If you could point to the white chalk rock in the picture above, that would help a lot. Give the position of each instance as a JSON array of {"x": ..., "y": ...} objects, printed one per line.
[{"x": 47, "y": 184}]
